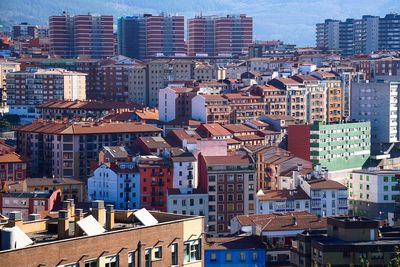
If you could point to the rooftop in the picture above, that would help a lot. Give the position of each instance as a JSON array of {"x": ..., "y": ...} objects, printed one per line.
[
  {"x": 238, "y": 128},
  {"x": 284, "y": 221},
  {"x": 269, "y": 195},
  {"x": 325, "y": 184},
  {"x": 235, "y": 242},
  {"x": 228, "y": 160}
]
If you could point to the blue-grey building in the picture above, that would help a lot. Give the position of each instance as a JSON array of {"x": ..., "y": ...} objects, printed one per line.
[{"x": 238, "y": 251}]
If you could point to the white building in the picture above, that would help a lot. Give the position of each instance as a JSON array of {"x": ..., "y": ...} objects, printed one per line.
[
  {"x": 372, "y": 193},
  {"x": 270, "y": 201},
  {"x": 118, "y": 184},
  {"x": 185, "y": 171},
  {"x": 327, "y": 197},
  {"x": 192, "y": 202}
]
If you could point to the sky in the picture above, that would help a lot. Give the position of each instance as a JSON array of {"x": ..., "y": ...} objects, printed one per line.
[{"x": 292, "y": 21}]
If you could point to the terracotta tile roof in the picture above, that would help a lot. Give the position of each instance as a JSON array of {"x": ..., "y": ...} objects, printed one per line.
[
  {"x": 238, "y": 128},
  {"x": 50, "y": 127},
  {"x": 182, "y": 89},
  {"x": 269, "y": 195},
  {"x": 284, "y": 221},
  {"x": 32, "y": 182},
  {"x": 213, "y": 98},
  {"x": 12, "y": 158},
  {"x": 248, "y": 137},
  {"x": 154, "y": 142},
  {"x": 268, "y": 88},
  {"x": 302, "y": 78},
  {"x": 231, "y": 141},
  {"x": 325, "y": 184},
  {"x": 147, "y": 114},
  {"x": 190, "y": 136},
  {"x": 241, "y": 96},
  {"x": 259, "y": 123},
  {"x": 214, "y": 129},
  {"x": 228, "y": 160}
]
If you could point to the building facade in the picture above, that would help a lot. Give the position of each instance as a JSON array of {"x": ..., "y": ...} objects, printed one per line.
[{"x": 81, "y": 35}]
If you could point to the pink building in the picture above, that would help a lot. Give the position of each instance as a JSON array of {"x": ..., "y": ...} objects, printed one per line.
[{"x": 30, "y": 202}]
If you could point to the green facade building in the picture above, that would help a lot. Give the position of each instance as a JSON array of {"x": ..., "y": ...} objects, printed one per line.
[{"x": 340, "y": 146}]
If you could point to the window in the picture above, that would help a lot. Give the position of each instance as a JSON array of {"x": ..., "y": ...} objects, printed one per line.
[
  {"x": 274, "y": 258},
  {"x": 394, "y": 179},
  {"x": 131, "y": 259},
  {"x": 91, "y": 263},
  {"x": 213, "y": 257},
  {"x": 174, "y": 254},
  {"x": 242, "y": 256},
  {"x": 386, "y": 188},
  {"x": 211, "y": 178},
  {"x": 385, "y": 179},
  {"x": 157, "y": 253},
  {"x": 111, "y": 261},
  {"x": 254, "y": 256},
  {"x": 192, "y": 251},
  {"x": 147, "y": 257},
  {"x": 386, "y": 197},
  {"x": 228, "y": 256}
]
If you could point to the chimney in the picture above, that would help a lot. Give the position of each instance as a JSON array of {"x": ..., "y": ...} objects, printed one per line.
[
  {"x": 72, "y": 208},
  {"x": 78, "y": 217},
  {"x": 15, "y": 219},
  {"x": 299, "y": 167},
  {"x": 33, "y": 217},
  {"x": 110, "y": 216},
  {"x": 63, "y": 224},
  {"x": 66, "y": 205},
  {"x": 294, "y": 221},
  {"x": 98, "y": 211}
]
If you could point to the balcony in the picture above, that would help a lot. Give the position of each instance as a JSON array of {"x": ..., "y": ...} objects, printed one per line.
[
  {"x": 190, "y": 167},
  {"x": 190, "y": 176}
]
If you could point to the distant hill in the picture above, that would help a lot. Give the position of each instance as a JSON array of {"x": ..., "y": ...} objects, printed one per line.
[{"x": 289, "y": 20}]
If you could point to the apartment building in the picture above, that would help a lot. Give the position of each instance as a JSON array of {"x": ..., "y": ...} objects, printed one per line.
[
  {"x": 156, "y": 176},
  {"x": 244, "y": 107},
  {"x": 185, "y": 166},
  {"x": 13, "y": 167},
  {"x": 160, "y": 73},
  {"x": 348, "y": 240},
  {"x": 114, "y": 78},
  {"x": 337, "y": 147},
  {"x": 81, "y": 35},
  {"x": 272, "y": 162},
  {"x": 334, "y": 95},
  {"x": 359, "y": 36},
  {"x": 295, "y": 97},
  {"x": 5, "y": 68},
  {"x": 214, "y": 35},
  {"x": 24, "y": 30},
  {"x": 277, "y": 230},
  {"x": 68, "y": 109},
  {"x": 149, "y": 36},
  {"x": 168, "y": 240},
  {"x": 117, "y": 183},
  {"x": 327, "y": 197},
  {"x": 377, "y": 102},
  {"x": 274, "y": 98},
  {"x": 270, "y": 201},
  {"x": 175, "y": 103},
  {"x": 26, "y": 89},
  {"x": 230, "y": 182},
  {"x": 316, "y": 97},
  {"x": 28, "y": 203},
  {"x": 66, "y": 149},
  {"x": 68, "y": 188},
  {"x": 211, "y": 109},
  {"x": 190, "y": 202},
  {"x": 373, "y": 192}
]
